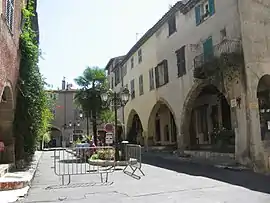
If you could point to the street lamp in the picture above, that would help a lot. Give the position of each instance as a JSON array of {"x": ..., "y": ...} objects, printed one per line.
[
  {"x": 117, "y": 100},
  {"x": 74, "y": 126}
]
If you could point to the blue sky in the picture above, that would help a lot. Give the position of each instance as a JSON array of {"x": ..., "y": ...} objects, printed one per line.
[{"x": 79, "y": 33}]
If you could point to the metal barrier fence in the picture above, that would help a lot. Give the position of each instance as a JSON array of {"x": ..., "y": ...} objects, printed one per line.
[
  {"x": 84, "y": 160},
  {"x": 134, "y": 159}
]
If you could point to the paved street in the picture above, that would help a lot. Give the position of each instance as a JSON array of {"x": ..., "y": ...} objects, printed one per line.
[{"x": 169, "y": 182}]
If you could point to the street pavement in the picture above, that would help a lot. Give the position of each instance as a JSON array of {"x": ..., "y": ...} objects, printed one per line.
[{"x": 165, "y": 181}]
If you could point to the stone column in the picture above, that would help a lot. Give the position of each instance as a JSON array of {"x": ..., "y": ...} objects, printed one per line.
[
  {"x": 239, "y": 117},
  {"x": 145, "y": 138}
]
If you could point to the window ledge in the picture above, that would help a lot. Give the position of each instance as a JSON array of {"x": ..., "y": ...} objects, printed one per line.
[
  {"x": 202, "y": 21},
  {"x": 169, "y": 35}
]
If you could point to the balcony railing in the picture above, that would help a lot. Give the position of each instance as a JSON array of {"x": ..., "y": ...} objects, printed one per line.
[{"x": 226, "y": 46}]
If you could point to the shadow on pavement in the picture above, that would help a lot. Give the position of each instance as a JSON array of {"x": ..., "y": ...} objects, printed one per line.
[
  {"x": 76, "y": 161},
  {"x": 246, "y": 179}
]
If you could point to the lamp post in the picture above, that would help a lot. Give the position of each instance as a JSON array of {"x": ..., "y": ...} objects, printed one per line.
[
  {"x": 117, "y": 100},
  {"x": 82, "y": 116},
  {"x": 74, "y": 126}
]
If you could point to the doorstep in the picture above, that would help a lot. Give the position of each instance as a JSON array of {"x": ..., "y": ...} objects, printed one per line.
[{"x": 3, "y": 169}]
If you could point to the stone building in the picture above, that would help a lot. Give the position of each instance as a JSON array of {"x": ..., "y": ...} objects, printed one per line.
[
  {"x": 10, "y": 29},
  {"x": 70, "y": 122},
  {"x": 199, "y": 80}
]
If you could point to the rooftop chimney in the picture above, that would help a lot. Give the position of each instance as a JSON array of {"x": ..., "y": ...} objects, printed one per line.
[{"x": 64, "y": 83}]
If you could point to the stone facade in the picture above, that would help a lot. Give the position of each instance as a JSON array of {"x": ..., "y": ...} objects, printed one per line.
[
  {"x": 9, "y": 69},
  {"x": 171, "y": 79}
]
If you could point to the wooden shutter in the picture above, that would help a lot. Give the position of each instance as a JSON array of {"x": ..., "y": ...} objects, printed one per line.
[
  {"x": 211, "y": 7},
  {"x": 157, "y": 77},
  {"x": 183, "y": 60},
  {"x": 198, "y": 14},
  {"x": 166, "y": 73}
]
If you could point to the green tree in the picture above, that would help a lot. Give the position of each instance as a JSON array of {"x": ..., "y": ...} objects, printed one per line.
[
  {"x": 91, "y": 83},
  {"x": 107, "y": 116},
  {"x": 32, "y": 115}
]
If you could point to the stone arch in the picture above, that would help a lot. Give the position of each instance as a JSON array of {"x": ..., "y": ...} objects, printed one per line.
[
  {"x": 263, "y": 95},
  {"x": 6, "y": 123},
  {"x": 56, "y": 137},
  {"x": 197, "y": 90},
  {"x": 134, "y": 128},
  {"x": 162, "y": 128}
]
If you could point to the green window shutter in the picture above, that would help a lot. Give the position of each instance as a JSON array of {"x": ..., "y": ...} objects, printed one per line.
[
  {"x": 198, "y": 14},
  {"x": 208, "y": 49},
  {"x": 211, "y": 7}
]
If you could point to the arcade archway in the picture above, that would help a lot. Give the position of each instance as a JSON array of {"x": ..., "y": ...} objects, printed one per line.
[
  {"x": 161, "y": 125},
  {"x": 134, "y": 128},
  {"x": 56, "y": 137},
  {"x": 208, "y": 121},
  {"x": 263, "y": 95}
]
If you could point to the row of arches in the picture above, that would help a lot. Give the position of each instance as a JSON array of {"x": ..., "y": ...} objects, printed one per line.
[{"x": 206, "y": 119}]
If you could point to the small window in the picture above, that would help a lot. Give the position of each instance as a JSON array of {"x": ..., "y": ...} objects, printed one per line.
[
  {"x": 132, "y": 62},
  {"x": 10, "y": 13},
  {"x": 223, "y": 34},
  {"x": 172, "y": 25},
  {"x": 117, "y": 74},
  {"x": 161, "y": 74},
  {"x": 204, "y": 11},
  {"x": 139, "y": 56},
  {"x": 151, "y": 79},
  {"x": 112, "y": 86},
  {"x": 181, "y": 61},
  {"x": 132, "y": 89},
  {"x": 124, "y": 70},
  {"x": 141, "y": 85}
]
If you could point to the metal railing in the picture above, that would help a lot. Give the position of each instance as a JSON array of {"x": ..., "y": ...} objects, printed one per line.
[
  {"x": 134, "y": 160},
  {"x": 226, "y": 46},
  {"x": 84, "y": 160}
]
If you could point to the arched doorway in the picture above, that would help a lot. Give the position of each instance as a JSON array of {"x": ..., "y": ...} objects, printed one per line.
[
  {"x": 134, "y": 128},
  {"x": 6, "y": 124},
  {"x": 263, "y": 95},
  {"x": 56, "y": 137},
  {"x": 161, "y": 125},
  {"x": 209, "y": 121}
]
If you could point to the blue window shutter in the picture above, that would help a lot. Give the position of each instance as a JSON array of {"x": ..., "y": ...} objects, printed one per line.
[
  {"x": 211, "y": 7},
  {"x": 198, "y": 14}
]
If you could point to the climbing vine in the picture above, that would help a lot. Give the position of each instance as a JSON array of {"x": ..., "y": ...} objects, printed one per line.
[{"x": 32, "y": 116}]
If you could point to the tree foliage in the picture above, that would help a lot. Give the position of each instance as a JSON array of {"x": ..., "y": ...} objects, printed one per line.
[
  {"x": 107, "y": 116},
  {"x": 91, "y": 82},
  {"x": 32, "y": 116}
]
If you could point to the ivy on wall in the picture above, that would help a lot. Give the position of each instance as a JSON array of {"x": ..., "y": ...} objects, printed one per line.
[{"x": 32, "y": 116}]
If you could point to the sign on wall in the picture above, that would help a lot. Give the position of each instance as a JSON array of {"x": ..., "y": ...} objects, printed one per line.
[{"x": 109, "y": 138}]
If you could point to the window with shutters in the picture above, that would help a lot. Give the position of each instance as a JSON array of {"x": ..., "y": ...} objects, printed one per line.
[
  {"x": 124, "y": 70},
  {"x": 9, "y": 13},
  {"x": 161, "y": 74},
  {"x": 132, "y": 89},
  {"x": 132, "y": 62},
  {"x": 181, "y": 61},
  {"x": 117, "y": 76},
  {"x": 204, "y": 10},
  {"x": 141, "y": 85},
  {"x": 112, "y": 86},
  {"x": 172, "y": 25},
  {"x": 139, "y": 56},
  {"x": 151, "y": 79}
]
